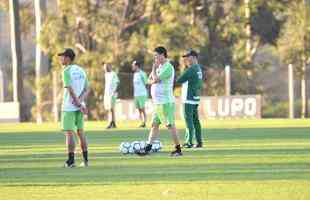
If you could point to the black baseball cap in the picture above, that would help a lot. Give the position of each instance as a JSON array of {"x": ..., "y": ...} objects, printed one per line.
[
  {"x": 69, "y": 53},
  {"x": 190, "y": 52}
]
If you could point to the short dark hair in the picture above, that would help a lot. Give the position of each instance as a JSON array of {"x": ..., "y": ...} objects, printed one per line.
[
  {"x": 161, "y": 50},
  {"x": 137, "y": 63}
]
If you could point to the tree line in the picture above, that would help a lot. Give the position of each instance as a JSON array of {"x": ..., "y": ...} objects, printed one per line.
[{"x": 224, "y": 32}]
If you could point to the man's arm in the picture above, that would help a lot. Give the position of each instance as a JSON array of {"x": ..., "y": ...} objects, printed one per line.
[
  {"x": 117, "y": 83},
  {"x": 84, "y": 94},
  {"x": 165, "y": 73},
  {"x": 185, "y": 76},
  {"x": 144, "y": 78},
  {"x": 67, "y": 85},
  {"x": 76, "y": 100},
  {"x": 153, "y": 77}
]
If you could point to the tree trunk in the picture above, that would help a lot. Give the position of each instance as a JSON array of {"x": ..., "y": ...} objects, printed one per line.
[
  {"x": 1, "y": 85},
  {"x": 40, "y": 8},
  {"x": 17, "y": 58},
  {"x": 291, "y": 91},
  {"x": 304, "y": 99},
  {"x": 303, "y": 92},
  {"x": 55, "y": 97},
  {"x": 248, "y": 31}
]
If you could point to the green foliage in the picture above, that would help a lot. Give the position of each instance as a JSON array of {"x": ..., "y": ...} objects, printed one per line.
[
  {"x": 176, "y": 30},
  {"x": 293, "y": 44},
  {"x": 280, "y": 109},
  {"x": 121, "y": 31}
]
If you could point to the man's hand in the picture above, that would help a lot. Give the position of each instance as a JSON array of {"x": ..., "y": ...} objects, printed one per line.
[
  {"x": 154, "y": 77},
  {"x": 76, "y": 102},
  {"x": 83, "y": 109}
]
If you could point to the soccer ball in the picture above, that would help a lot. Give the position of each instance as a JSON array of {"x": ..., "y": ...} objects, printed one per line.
[
  {"x": 131, "y": 149},
  {"x": 136, "y": 146},
  {"x": 124, "y": 147},
  {"x": 142, "y": 144},
  {"x": 156, "y": 146}
]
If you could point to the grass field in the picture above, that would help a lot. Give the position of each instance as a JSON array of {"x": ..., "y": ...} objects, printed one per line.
[{"x": 242, "y": 160}]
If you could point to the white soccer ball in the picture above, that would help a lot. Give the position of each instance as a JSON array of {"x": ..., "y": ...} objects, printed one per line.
[
  {"x": 142, "y": 144},
  {"x": 124, "y": 147},
  {"x": 131, "y": 150},
  {"x": 136, "y": 146},
  {"x": 156, "y": 146}
]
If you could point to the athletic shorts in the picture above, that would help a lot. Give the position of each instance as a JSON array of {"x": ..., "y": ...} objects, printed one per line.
[
  {"x": 140, "y": 101},
  {"x": 164, "y": 114},
  {"x": 109, "y": 102},
  {"x": 72, "y": 120}
]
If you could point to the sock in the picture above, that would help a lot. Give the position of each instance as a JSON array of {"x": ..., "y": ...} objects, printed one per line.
[
  {"x": 148, "y": 147},
  {"x": 85, "y": 156},
  {"x": 178, "y": 148},
  {"x": 71, "y": 157}
]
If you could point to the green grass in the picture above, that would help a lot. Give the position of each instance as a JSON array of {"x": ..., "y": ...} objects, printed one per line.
[{"x": 243, "y": 159}]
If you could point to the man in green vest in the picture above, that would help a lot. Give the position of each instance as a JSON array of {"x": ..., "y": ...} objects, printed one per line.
[{"x": 191, "y": 80}]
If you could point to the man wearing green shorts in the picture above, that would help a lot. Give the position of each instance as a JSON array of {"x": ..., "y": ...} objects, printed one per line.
[
  {"x": 73, "y": 107},
  {"x": 162, "y": 80},
  {"x": 139, "y": 89},
  {"x": 110, "y": 93},
  {"x": 191, "y": 80}
]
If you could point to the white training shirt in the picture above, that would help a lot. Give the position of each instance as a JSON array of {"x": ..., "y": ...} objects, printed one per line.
[
  {"x": 111, "y": 83},
  {"x": 139, "y": 84}
]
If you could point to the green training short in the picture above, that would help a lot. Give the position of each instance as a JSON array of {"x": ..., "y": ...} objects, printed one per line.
[
  {"x": 164, "y": 113},
  {"x": 140, "y": 101},
  {"x": 72, "y": 120},
  {"x": 109, "y": 102}
]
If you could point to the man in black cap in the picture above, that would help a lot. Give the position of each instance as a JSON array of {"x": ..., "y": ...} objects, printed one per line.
[
  {"x": 191, "y": 80},
  {"x": 73, "y": 106}
]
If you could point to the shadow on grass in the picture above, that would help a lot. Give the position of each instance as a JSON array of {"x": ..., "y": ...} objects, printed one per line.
[
  {"x": 117, "y": 136},
  {"x": 190, "y": 154},
  {"x": 147, "y": 170}
]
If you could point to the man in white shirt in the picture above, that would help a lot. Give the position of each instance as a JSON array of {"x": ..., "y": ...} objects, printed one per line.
[
  {"x": 162, "y": 80},
  {"x": 110, "y": 93},
  {"x": 76, "y": 90},
  {"x": 140, "y": 80}
]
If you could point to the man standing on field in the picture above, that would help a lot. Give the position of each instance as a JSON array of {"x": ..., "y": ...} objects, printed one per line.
[
  {"x": 73, "y": 107},
  {"x": 140, "y": 91},
  {"x": 162, "y": 79},
  {"x": 110, "y": 93},
  {"x": 191, "y": 81}
]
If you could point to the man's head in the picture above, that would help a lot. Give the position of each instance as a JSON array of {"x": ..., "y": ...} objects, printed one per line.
[
  {"x": 135, "y": 66},
  {"x": 67, "y": 57},
  {"x": 107, "y": 67},
  {"x": 160, "y": 55},
  {"x": 190, "y": 57}
]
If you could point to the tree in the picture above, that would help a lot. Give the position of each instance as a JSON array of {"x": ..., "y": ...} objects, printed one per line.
[
  {"x": 293, "y": 44},
  {"x": 40, "y": 9},
  {"x": 100, "y": 31},
  {"x": 16, "y": 56},
  {"x": 176, "y": 29}
]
